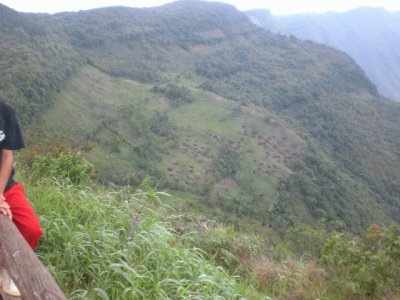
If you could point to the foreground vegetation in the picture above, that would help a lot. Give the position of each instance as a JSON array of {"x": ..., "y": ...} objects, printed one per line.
[{"x": 131, "y": 243}]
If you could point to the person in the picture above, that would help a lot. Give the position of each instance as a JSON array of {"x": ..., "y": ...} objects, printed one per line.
[{"x": 13, "y": 201}]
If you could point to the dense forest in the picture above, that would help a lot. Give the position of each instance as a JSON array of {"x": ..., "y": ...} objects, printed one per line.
[{"x": 249, "y": 125}]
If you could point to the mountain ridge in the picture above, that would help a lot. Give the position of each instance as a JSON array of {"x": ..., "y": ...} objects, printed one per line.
[
  {"x": 369, "y": 35},
  {"x": 199, "y": 103}
]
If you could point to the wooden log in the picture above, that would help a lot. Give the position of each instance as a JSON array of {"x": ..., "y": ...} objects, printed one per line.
[{"x": 30, "y": 276}]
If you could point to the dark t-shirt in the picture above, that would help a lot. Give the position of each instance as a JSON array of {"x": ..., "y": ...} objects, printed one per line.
[{"x": 10, "y": 133}]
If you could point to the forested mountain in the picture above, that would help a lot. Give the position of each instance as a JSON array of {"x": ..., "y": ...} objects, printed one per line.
[
  {"x": 371, "y": 36},
  {"x": 35, "y": 63},
  {"x": 249, "y": 125}
]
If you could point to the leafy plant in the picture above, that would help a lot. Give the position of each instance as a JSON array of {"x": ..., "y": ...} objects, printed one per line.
[
  {"x": 366, "y": 266},
  {"x": 71, "y": 166}
]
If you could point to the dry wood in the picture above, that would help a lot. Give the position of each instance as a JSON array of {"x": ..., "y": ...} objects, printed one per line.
[{"x": 32, "y": 278}]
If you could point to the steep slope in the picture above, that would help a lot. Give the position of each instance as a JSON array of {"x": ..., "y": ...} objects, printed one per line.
[
  {"x": 183, "y": 144},
  {"x": 255, "y": 125},
  {"x": 34, "y": 63},
  {"x": 369, "y": 35}
]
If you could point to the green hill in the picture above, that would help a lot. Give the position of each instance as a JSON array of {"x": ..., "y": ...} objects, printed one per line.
[
  {"x": 186, "y": 146},
  {"x": 251, "y": 126}
]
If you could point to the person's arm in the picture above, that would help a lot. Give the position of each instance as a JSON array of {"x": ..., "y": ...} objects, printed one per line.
[{"x": 6, "y": 165}]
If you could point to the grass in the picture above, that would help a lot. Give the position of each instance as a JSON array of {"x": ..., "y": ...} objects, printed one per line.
[
  {"x": 126, "y": 243},
  {"x": 86, "y": 245},
  {"x": 97, "y": 105}
]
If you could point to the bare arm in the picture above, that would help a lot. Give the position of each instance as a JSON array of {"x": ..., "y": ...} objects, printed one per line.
[{"x": 7, "y": 160}]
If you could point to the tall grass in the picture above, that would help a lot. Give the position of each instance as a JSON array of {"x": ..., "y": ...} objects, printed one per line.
[{"x": 87, "y": 248}]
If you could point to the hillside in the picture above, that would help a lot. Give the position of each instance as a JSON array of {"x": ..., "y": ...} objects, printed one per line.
[
  {"x": 369, "y": 35},
  {"x": 186, "y": 146},
  {"x": 135, "y": 243},
  {"x": 249, "y": 126},
  {"x": 35, "y": 63}
]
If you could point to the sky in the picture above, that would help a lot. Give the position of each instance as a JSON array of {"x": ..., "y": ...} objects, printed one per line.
[{"x": 277, "y": 7}]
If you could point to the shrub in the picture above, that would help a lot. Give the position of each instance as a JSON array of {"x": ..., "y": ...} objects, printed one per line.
[
  {"x": 227, "y": 161},
  {"x": 71, "y": 166},
  {"x": 368, "y": 266},
  {"x": 305, "y": 240}
]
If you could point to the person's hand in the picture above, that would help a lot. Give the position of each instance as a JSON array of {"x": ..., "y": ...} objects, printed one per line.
[{"x": 4, "y": 207}]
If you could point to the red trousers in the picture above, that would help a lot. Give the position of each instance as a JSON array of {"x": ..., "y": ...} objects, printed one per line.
[{"x": 23, "y": 215}]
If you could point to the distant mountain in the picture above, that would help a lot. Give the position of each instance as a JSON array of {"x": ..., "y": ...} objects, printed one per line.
[
  {"x": 250, "y": 126},
  {"x": 371, "y": 36}
]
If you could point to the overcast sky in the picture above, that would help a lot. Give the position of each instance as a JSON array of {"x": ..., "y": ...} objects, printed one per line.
[{"x": 277, "y": 7}]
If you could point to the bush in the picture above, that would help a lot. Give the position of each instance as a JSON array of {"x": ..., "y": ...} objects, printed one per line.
[
  {"x": 227, "y": 161},
  {"x": 177, "y": 95},
  {"x": 368, "y": 266},
  {"x": 71, "y": 166},
  {"x": 306, "y": 241}
]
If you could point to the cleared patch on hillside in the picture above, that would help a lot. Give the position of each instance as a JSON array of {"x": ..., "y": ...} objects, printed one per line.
[{"x": 139, "y": 133}]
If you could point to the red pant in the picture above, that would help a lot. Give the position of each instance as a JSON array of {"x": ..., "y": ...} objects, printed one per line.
[{"x": 23, "y": 215}]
